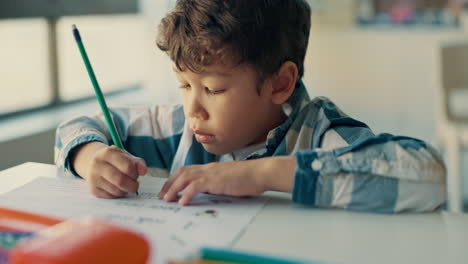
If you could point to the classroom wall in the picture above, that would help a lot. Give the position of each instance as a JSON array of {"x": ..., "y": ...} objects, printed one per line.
[{"x": 386, "y": 77}]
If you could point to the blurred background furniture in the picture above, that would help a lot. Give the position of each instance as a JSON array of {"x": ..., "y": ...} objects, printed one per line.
[{"x": 452, "y": 115}]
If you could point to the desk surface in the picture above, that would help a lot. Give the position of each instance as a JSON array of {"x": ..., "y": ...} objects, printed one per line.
[{"x": 334, "y": 236}]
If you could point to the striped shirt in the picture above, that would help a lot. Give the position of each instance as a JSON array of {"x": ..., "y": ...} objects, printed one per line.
[{"x": 340, "y": 162}]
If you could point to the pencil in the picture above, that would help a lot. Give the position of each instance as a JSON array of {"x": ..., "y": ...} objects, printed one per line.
[
  {"x": 196, "y": 262},
  {"x": 97, "y": 90},
  {"x": 233, "y": 256},
  {"x": 100, "y": 97}
]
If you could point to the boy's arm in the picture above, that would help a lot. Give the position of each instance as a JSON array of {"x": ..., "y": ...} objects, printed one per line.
[
  {"x": 144, "y": 132},
  {"x": 382, "y": 173}
]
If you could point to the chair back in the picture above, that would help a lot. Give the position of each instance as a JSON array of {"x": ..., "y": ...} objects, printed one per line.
[{"x": 454, "y": 78}]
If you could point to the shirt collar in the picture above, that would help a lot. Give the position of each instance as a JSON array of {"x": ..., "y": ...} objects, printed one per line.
[{"x": 295, "y": 103}]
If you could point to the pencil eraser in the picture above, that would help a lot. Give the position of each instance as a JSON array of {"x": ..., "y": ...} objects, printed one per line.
[{"x": 86, "y": 240}]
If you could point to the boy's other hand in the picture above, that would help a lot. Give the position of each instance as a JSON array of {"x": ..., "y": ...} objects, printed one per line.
[
  {"x": 109, "y": 171},
  {"x": 235, "y": 178}
]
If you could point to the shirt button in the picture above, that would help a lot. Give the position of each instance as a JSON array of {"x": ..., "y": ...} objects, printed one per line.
[{"x": 317, "y": 165}]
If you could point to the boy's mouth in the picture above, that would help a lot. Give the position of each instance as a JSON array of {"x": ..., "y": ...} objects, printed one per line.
[{"x": 203, "y": 138}]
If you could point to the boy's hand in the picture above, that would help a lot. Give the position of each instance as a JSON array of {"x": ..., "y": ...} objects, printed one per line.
[
  {"x": 236, "y": 178},
  {"x": 109, "y": 171}
]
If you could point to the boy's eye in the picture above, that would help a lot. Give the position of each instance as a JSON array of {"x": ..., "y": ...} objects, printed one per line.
[
  {"x": 211, "y": 92},
  {"x": 184, "y": 86}
]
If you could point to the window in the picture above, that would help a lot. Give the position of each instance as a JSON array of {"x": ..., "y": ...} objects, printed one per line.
[
  {"x": 117, "y": 47},
  {"x": 24, "y": 79}
]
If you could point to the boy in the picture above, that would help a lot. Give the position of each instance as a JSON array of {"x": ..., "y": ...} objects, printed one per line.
[{"x": 247, "y": 124}]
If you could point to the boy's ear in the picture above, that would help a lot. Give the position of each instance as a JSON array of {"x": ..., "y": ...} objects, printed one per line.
[{"x": 284, "y": 82}]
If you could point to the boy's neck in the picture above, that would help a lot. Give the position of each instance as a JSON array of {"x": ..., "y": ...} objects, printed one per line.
[{"x": 276, "y": 120}]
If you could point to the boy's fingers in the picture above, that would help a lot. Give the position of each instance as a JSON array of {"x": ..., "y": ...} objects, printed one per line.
[
  {"x": 176, "y": 187},
  {"x": 108, "y": 187},
  {"x": 119, "y": 180},
  {"x": 164, "y": 189},
  {"x": 189, "y": 192},
  {"x": 167, "y": 185},
  {"x": 123, "y": 161},
  {"x": 100, "y": 193},
  {"x": 141, "y": 167}
]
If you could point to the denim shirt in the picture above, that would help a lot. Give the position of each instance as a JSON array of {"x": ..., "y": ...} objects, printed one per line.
[{"x": 340, "y": 162}]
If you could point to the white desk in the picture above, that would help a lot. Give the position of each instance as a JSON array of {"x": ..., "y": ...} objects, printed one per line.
[{"x": 335, "y": 236}]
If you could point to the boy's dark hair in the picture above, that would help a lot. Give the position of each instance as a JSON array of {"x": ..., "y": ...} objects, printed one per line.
[{"x": 262, "y": 33}]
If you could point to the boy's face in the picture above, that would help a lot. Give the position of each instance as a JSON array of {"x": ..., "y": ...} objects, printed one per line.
[{"x": 224, "y": 108}]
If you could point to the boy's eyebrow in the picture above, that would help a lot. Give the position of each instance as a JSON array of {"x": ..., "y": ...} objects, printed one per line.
[{"x": 220, "y": 73}]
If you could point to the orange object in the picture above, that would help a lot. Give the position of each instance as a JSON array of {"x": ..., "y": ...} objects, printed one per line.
[
  {"x": 18, "y": 221},
  {"x": 86, "y": 240}
]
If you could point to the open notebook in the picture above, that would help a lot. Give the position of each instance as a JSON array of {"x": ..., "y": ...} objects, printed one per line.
[{"x": 174, "y": 231}]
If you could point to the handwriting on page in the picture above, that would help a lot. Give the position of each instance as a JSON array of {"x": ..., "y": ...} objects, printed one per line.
[
  {"x": 172, "y": 230},
  {"x": 138, "y": 203}
]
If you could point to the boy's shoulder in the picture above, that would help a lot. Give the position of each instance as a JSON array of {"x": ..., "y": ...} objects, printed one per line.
[
  {"x": 170, "y": 117},
  {"x": 322, "y": 112},
  {"x": 159, "y": 121},
  {"x": 300, "y": 101},
  {"x": 325, "y": 103},
  {"x": 318, "y": 109},
  {"x": 175, "y": 111},
  {"x": 320, "y": 105}
]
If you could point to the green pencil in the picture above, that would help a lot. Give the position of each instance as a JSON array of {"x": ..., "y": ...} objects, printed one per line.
[
  {"x": 97, "y": 90},
  {"x": 100, "y": 97},
  {"x": 226, "y": 255}
]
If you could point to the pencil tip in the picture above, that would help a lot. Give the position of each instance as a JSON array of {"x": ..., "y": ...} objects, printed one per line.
[{"x": 74, "y": 26}]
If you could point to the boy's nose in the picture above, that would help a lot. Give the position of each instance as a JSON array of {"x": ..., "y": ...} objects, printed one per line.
[{"x": 196, "y": 110}]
